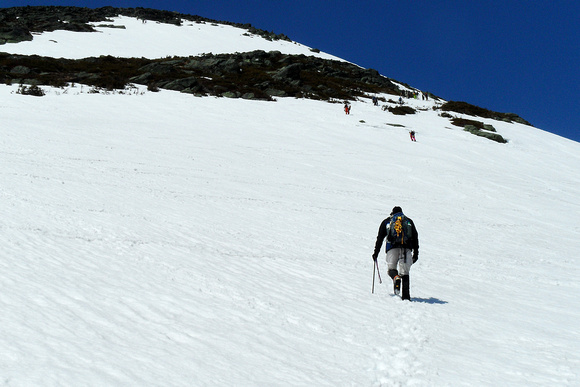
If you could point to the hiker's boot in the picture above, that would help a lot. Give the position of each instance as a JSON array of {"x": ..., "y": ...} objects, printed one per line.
[{"x": 397, "y": 284}]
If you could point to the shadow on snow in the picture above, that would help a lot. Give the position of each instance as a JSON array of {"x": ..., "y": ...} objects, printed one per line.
[{"x": 430, "y": 300}]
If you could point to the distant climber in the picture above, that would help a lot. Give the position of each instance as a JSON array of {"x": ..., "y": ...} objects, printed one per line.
[
  {"x": 347, "y": 108},
  {"x": 412, "y": 134}
]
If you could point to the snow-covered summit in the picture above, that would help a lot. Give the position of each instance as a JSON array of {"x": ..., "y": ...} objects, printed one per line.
[{"x": 151, "y": 39}]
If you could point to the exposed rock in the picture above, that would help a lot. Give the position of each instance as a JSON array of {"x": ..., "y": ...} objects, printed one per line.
[
  {"x": 289, "y": 72},
  {"x": 257, "y": 73},
  {"x": 478, "y": 132},
  {"x": 230, "y": 94},
  {"x": 158, "y": 68},
  {"x": 17, "y": 23},
  {"x": 466, "y": 108},
  {"x": 275, "y": 93},
  {"x": 17, "y": 33},
  {"x": 20, "y": 70},
  {"x": 401, "y": 110},
  {"x": 181, "y": 84},
  {"x": 112, "y": 26},
  {"x": 142, "y": 79}
]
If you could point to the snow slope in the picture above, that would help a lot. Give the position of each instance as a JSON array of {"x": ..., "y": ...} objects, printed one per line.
[
  {"x": 161, "y": 239},
  {"x": 152, "y": 40}
]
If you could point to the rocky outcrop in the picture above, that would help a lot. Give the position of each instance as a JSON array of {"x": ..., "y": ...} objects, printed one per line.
[
  {"x": 14, "y": 34},
  {"x": 18, "y": 23},
  {"x": 479, "y": 129},
  {"x": 484, "y": 133},
  {"x": 472, "y": 110},
  {"x": 251, "y": 75},
  {"x": 401, "y": 110}
]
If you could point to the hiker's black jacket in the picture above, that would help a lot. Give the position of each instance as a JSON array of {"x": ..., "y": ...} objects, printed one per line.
[{"x": 412, "y": 243}]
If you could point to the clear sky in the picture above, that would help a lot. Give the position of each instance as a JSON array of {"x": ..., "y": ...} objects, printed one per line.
[{"x": 515, "y": 56}]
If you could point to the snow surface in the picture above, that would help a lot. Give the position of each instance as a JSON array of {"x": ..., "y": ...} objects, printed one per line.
[
  {"x": 152, "y": 40},
  {"x": 159, "y": 239}
]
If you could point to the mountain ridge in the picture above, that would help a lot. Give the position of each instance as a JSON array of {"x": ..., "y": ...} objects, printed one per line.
[
  {"x": 256, "y": 75},
  {"x": 19, "y": 23}
]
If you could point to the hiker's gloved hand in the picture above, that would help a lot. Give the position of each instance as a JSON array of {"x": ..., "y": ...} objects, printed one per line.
[
  {"x": 415, "y": 255},
  {"x": 375, "y": 257}
]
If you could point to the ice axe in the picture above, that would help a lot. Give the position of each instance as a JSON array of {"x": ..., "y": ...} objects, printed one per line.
[{"x": 376, "y": 268}]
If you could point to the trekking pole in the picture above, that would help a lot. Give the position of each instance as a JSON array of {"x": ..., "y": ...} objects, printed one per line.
[
  {"x": 374, "y": 269},
  {"x": 378, "y": 272}
]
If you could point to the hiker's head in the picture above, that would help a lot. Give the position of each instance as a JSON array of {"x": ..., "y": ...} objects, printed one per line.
[{"x": 396, "y": 210}]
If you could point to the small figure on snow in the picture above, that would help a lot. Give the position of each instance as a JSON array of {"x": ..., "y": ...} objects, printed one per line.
[
  {"x": 402, "y": 249},
  {"x": 412, "y": 134},
  {"x": 375, "y": 101},
  {"x": 347, "y": 108}
]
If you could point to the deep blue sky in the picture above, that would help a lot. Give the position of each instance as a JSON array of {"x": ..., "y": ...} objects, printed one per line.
[{"x": 508, "y": 56}]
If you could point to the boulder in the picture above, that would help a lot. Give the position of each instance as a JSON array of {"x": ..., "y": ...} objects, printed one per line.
[
  {"x": 181, "y": 84},
  {"x": 15, "y": 35},
  {"x": 275, "y": 93},
  {"x": 20, "y": 70},
  {"x": 290, "y": 72}
]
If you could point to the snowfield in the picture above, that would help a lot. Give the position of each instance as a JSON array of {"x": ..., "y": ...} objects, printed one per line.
[
  {"x": 129, "y": 37},
  {"x": 159, "y": 239}
]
